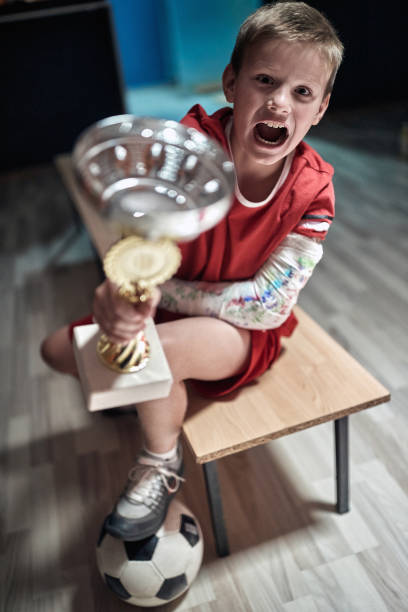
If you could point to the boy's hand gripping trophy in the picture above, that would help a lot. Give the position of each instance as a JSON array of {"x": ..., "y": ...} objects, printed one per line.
[{"x": 159, "y": 183}]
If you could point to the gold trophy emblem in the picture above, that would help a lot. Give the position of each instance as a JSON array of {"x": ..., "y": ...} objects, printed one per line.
[{"x": 136, "y": 266}]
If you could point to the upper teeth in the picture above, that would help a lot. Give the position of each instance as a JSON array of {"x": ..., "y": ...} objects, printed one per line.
[{"x": 274, "y": 124}]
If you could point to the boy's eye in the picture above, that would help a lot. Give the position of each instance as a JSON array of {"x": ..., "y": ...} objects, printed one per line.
[
  {"x": 265, "y": 79},
  {"x": 303, "y": 91}
]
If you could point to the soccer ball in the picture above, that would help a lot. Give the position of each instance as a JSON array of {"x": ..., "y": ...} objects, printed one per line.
[{"x": 156, "y": 570}]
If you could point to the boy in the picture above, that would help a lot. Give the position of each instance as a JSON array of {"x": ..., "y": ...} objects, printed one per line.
[{"x": 221, "y": 319}]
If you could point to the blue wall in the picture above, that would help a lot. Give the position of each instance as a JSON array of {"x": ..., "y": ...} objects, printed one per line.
[
  {"x": 141, "y": 40},
  {"x": 202, "y": 36},
  {"x": 182, "y": 41}
]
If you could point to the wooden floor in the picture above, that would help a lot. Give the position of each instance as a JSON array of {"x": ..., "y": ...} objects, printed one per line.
[{"x": 61, "y": 468}]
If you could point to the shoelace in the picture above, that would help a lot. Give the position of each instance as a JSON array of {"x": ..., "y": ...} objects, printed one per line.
[{"x": 149, "y": 484}]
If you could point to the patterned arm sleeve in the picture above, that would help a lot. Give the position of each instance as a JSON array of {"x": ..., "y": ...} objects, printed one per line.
[{"x": 263, "y": 302}]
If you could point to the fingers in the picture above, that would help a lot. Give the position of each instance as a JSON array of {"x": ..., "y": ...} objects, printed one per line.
[{"x": 118, "y": 318}]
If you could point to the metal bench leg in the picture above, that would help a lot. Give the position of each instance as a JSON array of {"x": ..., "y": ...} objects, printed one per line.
[
  {"x": 215, "y": 504},
  {"x": 342, "y": 464}
]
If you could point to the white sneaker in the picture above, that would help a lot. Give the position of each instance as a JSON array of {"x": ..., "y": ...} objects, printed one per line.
[{"x": 142, "y": 507}]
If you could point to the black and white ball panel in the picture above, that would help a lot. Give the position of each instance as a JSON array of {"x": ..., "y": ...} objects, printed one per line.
[{"x": 157, "y": 569}]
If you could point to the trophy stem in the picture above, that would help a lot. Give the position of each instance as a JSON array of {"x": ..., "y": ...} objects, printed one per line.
[
  {"x": 136, "y": 266},
  {"x": 130, "y": 357}
]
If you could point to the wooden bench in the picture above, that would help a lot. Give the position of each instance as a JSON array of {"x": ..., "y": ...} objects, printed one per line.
[{"x": 314, "y": 381}]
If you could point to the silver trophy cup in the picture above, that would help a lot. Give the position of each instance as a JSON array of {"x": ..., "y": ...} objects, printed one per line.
[{"x": 159, "y": 183}]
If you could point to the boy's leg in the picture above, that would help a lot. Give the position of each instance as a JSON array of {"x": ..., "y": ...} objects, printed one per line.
[
  {"x": 57, "y": 352},
  {"x": 199, "y": 347}
]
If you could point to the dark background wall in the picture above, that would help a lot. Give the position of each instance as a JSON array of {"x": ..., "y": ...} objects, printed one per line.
[
  {"x": 62, "y": 61},
  {"x": 375, "y": 37},
  {"x": 58, "y": 74}
]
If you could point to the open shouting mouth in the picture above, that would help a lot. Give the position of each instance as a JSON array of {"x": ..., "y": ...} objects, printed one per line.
[{"x": 271, "y": 133}]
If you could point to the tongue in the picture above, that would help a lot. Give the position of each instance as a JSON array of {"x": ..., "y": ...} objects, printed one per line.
[{"x": 269, "y": 133}]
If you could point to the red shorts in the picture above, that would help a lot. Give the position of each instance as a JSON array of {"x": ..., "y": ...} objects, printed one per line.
[{"x": 265, "y": 349}]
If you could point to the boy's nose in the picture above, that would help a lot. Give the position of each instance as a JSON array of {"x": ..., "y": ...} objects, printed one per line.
[{"x": 278, "y": 100}]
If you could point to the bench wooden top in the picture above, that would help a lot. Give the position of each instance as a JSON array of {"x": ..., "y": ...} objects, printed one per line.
[{"x": 315, "y": 379}]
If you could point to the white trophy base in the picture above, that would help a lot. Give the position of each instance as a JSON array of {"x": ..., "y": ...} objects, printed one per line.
[{"x": 104, "y": 388}]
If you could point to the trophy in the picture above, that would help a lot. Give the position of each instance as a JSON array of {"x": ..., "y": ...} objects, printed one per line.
[{"x": 157, "y": 183}]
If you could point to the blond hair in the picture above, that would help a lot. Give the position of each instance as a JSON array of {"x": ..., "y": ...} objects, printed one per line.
[{"x": 290, "y": 21}]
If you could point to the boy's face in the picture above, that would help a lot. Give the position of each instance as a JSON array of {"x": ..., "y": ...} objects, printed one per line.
[{"x": 278, "y": 95}]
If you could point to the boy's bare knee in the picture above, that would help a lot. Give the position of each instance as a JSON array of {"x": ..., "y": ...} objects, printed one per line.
[
  {"x": 57, "y": 352},
  {"x": 46, "y": 352}
]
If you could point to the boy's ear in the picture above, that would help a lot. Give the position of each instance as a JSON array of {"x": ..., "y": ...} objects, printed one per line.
[
  {"x": 322, "y": 109},
  {"x": 228, "y": 83}
]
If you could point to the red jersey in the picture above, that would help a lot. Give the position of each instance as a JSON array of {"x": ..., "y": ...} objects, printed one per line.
[{"x": 240, "y": 244}]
